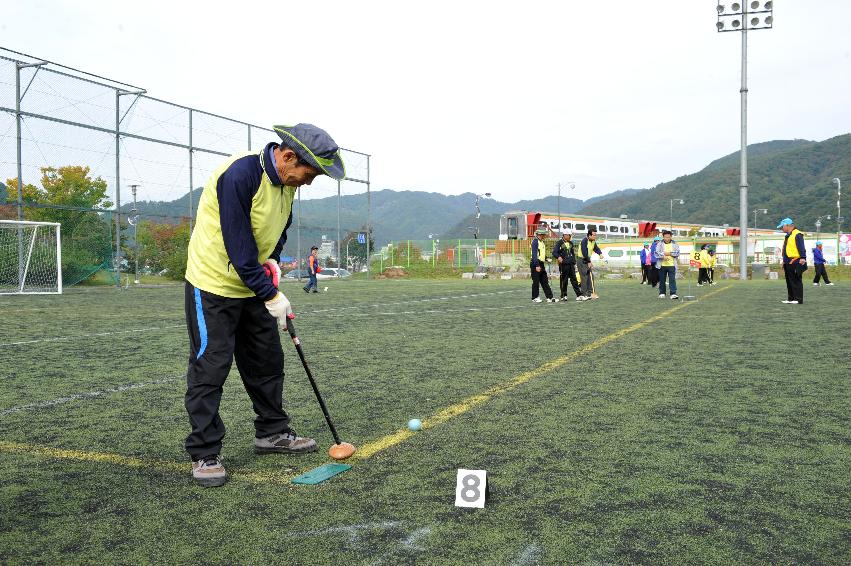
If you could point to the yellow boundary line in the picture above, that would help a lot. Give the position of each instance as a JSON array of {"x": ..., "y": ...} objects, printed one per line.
[
  {"x": 367, "y": 450},
  {"x": 461, "y": 407}
]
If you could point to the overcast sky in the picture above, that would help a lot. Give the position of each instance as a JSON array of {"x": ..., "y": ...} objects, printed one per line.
[{"x": 505, "y": 97}]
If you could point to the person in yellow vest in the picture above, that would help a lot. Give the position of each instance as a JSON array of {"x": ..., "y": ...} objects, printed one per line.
[
  {"x": 794, "y": 262},
  {"x": 233, "y": 308},
  {"x": 706, "y": 261},
  {"x": 538, "y": 266}
]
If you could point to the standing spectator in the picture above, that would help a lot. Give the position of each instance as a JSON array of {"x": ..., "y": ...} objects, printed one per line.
[
  {"x": 644, "y": 255},
  {"x": 312, "y": 269},
  {"x": 818, "y": 261},
  {"x": 794, "y": 262},
  {"x": 585, "y": 265},
  {"x": 711, "y": 271},
  {"x": 667, "y": 252},
  {"x": 566, "y": 258},
  {"x": 652, "y": 270},
  {"x": 538, "y": 265},
  {"x": 705, "y": 263}
]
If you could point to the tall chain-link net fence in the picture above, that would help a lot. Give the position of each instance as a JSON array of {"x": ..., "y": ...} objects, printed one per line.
[{"x": 122, "y": 172}]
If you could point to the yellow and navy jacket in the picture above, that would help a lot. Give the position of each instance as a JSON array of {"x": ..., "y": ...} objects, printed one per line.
[
  {"x": 706, "y": 259},
  {"x": 794, "y": 247},
  {"x": 565, "y": 251},
  {"x": 539, "y": 252},
  {"x": 583, "y": 250},
  {"x": 242, "y": 221}
]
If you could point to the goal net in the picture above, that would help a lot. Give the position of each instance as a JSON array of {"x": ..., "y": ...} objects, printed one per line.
[{"x": 30, "y": 257}]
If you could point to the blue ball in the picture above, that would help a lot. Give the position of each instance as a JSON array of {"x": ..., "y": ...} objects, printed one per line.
[{"x": 415, "y": 424}]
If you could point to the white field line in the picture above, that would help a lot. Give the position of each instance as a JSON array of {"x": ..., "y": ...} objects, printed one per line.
[
  {"x": 412, "y": 301},
  {"x": 88, "y": 395},
  {"x": 96, "y": 335},
  {"x": 307, "y": 313}
]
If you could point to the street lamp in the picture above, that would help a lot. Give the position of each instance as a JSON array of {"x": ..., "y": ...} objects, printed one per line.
[
  {"x": 762, "y": 210},
  {"x": 558, "y": 202},
  {"x": 133, "y": 220},
  {"x": 742, "y": 16},
  {"x": 818, "y": 224},
  {"x": 478, "y": 213},
  {"x": 681, "y": 201}
]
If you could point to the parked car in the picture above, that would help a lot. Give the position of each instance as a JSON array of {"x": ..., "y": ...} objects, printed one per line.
[
  {"x": 333, "y": 273},
  {"x": 296, "y": 273}
]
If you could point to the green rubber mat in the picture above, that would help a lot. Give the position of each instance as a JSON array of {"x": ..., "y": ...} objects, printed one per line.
[{"x": 322, "y": 473}]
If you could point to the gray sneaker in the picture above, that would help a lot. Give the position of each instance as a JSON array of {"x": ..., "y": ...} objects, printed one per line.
[
  {"x": 209, "y": 471},
  {"x": 287, "y": 442}
]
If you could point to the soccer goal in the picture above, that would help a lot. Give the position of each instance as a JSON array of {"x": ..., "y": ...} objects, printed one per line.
[{"x": 30, "y": 258}]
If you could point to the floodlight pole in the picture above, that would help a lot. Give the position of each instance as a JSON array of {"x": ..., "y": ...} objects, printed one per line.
[
  {"x": 743, "y": 183},
  {"x": 740, "y": 11},
  {"x": 839, "y": 218}
]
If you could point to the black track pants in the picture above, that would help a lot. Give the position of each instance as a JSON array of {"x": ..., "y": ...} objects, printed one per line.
[
  {"x": 821, "y": 272},
  {"x": 540, "y": 278},
  {"x": 221, "y": 329},
  {"x": 794, "y": 284},
  {"x": 567, "y": 272}
]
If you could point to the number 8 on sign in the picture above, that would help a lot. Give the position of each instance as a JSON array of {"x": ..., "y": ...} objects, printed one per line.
[{"x": 471, "y": 488}]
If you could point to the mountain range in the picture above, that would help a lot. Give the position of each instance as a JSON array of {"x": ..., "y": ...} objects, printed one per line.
[{"x": 787, "y": 177}]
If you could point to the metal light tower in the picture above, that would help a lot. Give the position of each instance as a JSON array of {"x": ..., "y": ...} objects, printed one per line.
[
  {"x": 762, "y": 210},
  {"x": 673, "y": 200},
  {"x": 744, "y": 16},
  {"x": 478, "y": 213},
  {"x": 839, "y": 218}
]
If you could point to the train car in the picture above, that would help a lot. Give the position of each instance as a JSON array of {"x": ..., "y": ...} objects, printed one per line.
[{"x": 521, "y": 225}]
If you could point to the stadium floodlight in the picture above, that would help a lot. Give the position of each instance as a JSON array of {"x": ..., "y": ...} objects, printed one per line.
[
  {"x": 678, "y": 201},
  {"x": 744, "y": 16},
  {"x": 762, "y": 210}
]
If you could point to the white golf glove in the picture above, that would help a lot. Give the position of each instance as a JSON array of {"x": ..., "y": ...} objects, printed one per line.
[{"x": 279, "y": 307}]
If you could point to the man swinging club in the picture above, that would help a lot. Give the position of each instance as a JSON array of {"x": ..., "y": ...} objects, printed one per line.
[{"x": 233, "y": 309}]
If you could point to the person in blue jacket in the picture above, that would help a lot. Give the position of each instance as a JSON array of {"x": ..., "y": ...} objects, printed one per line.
[
  {"x": 818, "y": 261},
  {"x": 644, "y": 256}
]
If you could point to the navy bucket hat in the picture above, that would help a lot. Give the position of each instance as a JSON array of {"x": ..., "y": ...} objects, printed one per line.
[{"x": 314, "y": 146}]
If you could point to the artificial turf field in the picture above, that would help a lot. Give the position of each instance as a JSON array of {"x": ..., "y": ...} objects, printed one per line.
[{"x": 624, "y": 430}]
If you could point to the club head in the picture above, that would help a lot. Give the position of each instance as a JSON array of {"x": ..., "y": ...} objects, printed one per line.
[{"x": 341, "y": 451}]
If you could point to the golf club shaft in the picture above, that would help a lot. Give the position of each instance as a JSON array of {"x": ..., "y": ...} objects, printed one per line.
[{"x": 297, "y": 342}]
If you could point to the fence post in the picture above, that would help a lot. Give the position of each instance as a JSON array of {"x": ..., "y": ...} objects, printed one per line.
[
  {"x": 409, "y": 253},
  {"x": 117, "y": 190},
  {"x": 459, "y": 254},
  {"x": 433, "y": 254}
]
